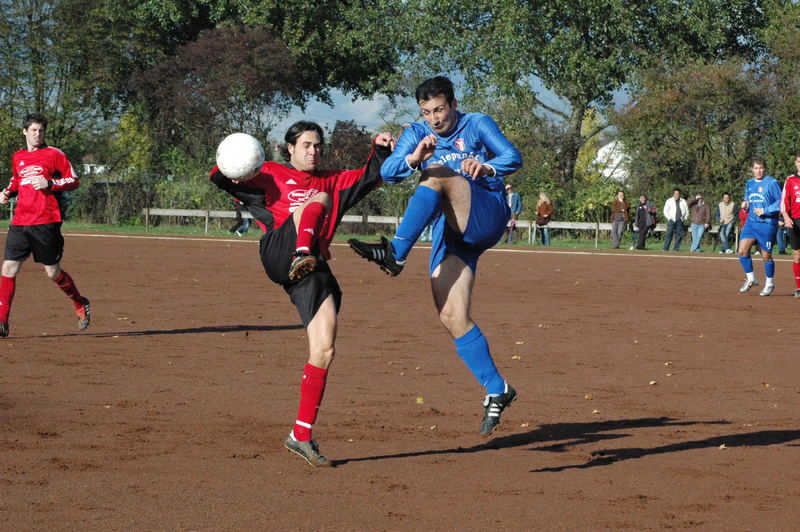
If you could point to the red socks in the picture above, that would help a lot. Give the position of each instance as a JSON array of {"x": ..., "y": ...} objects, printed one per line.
[
  {"x": 67, "y": 285},
  {"x": 311, "y": 389},
  {"x": 796, "y": 268},
  {"x": 310, "y": 225},
  {"x": 7, "y": 287}
]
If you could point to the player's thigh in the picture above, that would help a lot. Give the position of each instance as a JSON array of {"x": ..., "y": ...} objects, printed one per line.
[
  {"x": 17, "y": 248},
  {"x": 451, "y": 284},
  {"x": 47, "y": 243},
  {"x": 793, "y": 234},
  {"x": 488, "y": 217}
]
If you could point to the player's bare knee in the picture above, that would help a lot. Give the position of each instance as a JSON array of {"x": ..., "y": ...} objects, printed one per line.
[
  {"x": 322, "y": 357},
  {"x": 324, "y": 198}
]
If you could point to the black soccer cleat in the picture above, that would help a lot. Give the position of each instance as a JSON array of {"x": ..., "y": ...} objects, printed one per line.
[
  {"x": 381, "y": 254},
  {"x": 494, "y": 405},
  {"x": 309, "y": 450},
  {"x": 84, "y": 316},
  {"x": 3, "y": 329},
  {"x": 302, "y": 264}
]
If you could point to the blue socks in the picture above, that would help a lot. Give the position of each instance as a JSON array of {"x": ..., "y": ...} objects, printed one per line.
[
  {"x": 769, "y": 268},
  {"x": 747, "y": 264},
  {"x": 421, "y": 208},
  {"x": 474, "y": 350}
]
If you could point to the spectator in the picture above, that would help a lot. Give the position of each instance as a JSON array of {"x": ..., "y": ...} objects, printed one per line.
[
  {"x": 242, "y": 224},
  {"x": 781, "y": 238},
  {"x": 619, "y": 218},
  {"x": 544, "y": 211},
  {"x": 725, "y": 213},
  {"x": 645, "y": 220},
  {"x": 515, "y": 203},
  {"x": 701, "y": 220},
  {"x": 675, "y": 212}
]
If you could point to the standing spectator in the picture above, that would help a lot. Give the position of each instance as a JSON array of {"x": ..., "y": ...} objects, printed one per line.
[
  {"x": 790, "y": 210},
  {"x": 675, "y": 212},
  {"x": 762, "y": 195},
  {"x": 781, "y": 237},
  {"x": 645, "y": 220},
  {"x": 544, "y": 211},
  {"x": 515, "y": 203},
  {"x": 725, "y": 213},
  {"x": 39, "y": 173},
  {"x": 242, "y": 224},
  {"x": 700, "y": 215},
  {"x": 619, "y": 218}
]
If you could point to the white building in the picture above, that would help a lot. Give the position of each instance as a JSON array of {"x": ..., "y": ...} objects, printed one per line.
[{"x": 612, "y": 161}]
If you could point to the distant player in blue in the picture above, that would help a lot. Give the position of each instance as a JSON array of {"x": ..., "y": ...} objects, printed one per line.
[
  {"x": 762, "y": 194},
  {"x": 462, "y": 158}
]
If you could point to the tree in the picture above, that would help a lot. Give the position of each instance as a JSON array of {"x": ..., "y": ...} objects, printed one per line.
[{"x": 582, "y": 51}]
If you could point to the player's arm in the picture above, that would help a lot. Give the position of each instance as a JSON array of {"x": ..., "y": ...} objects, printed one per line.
[
  {"x": 396, "y": 167},
  {"x": 64, "y": 178},
  {"x": 507, "y": 159},
  {"x": 786, "y": 207},
  {"x": 252, "y": 197}
]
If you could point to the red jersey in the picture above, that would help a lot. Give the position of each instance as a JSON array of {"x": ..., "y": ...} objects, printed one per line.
[
  {"x": 790, "y": 198},
  {"x": 278, "y": 190},
  {"x": 36, "y": 207}
]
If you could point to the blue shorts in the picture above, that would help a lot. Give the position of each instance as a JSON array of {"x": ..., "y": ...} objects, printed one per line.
[
  {"x": 763, "y": 233},
  {"x": 488, "y": 216}
]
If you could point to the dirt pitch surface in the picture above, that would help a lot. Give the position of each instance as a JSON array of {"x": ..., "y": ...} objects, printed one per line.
[{"x": 652, "y": 396}]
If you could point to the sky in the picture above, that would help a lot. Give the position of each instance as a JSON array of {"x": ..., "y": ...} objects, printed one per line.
[{"x": 363, "y": 112}]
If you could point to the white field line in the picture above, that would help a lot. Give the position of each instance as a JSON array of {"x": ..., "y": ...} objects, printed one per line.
[{"x": 555, "y": 251}]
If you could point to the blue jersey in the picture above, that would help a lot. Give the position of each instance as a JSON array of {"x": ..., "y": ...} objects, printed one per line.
[
  {"x": 474, "y": 136},
  {"x": 764, "y": 194}
]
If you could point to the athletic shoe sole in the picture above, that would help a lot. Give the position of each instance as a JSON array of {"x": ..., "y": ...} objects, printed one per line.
[
  {"x": 84, "y": 316},
  {"x": 308, "y": 450},
  {"x": 302, "y": 266}
]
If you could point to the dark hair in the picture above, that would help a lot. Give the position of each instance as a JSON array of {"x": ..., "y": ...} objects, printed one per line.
[
  {"x": 430, "y": 88},
  {"x": 678, "y": 190},
  {"x": 34, "y": 118},
  {"x": 758, "y": 160},
  {"x": 294, "y": 132}
]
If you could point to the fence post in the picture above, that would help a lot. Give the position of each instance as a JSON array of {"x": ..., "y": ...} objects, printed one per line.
[
  {"x": 596, "y": 234},
  {"x": 206, "y": 222},
  {"x": 146, "y": 219}
]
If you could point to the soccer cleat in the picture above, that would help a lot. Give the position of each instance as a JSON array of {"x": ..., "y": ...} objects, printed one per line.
[
  {"x": 494, "y": 405},
  {"x": 768, "y": 288},
  {"x": 3, "y": 329},
  {"x": 302, "y": 264},
  {"x": 381, "y": 254},
  {"x": 84, "y": 317},
  {"x": 796, "y": 294},
  {"x": 308, "y": 450},
  {"x": 748, "y": 285}
]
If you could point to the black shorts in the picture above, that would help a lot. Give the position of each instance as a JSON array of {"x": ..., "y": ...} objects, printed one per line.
[
  {"x": 793, "y": 234},
  {"x": 311, "y": 291},
  {"x": 44, "y": 241}
]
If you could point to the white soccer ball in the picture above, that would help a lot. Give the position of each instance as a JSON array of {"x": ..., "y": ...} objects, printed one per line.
[{"x": 240, "y": 156}]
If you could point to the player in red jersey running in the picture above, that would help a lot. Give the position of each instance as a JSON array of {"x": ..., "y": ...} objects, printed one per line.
[
  {"x": 299, "y": 208},
  {"x": 790, "y": 210},
  {"x": 39, "y": 174}
]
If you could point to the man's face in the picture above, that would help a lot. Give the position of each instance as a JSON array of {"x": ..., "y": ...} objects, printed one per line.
[
  {"x": 305, "y": 154},
  {"x": 797, "y": 164},
  {"x": 758, "y": 171},
  {"x": 676, "y": 194},
  {"x": 699, "y": 198},
  {"x": 34, "y": 135},
  {"x": 642, "y": 199},
  {"x": 726, "y": 198},
  {"x": 440, "y": 115}
]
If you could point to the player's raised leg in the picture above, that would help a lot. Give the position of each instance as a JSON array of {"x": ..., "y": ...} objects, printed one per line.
[
  {"x": 451, "y": 284},
  {"x": 309, "y": 220},
  {"x": 67, "y": 285},
  {"x": 321, "y": 339},
  {"x": 439, "y": 188}
]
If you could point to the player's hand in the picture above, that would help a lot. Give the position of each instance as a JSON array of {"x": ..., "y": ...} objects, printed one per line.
[
  {"x": 423, "y": 151},
  {"x": 39, "y": 183},
  {"x": 5, "y": 195},
  {"x": 385, "y": 139},
  {"x": 788, "y": 222},
  {"x": 758, "y": 211},
  {"x": 473, "y": 168}
]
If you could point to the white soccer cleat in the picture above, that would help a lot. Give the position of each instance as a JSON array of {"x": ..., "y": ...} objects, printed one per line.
[
  {"x": 768, "y": 288},
  {"x": 748, "y": 285}
]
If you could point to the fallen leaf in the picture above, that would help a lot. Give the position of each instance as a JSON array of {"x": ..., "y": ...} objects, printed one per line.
[
  {"x": 516, "y": 357},
  {"x": 433, "y": 427},
  {"x": 669, "y": 374},
  {"x": 765, "y": 384},
  {"x": 653, "y": 383},
  {"x": 723, "y": 446},
  {"x": 520, "y": 343},
  {"x": 587, "y": 396},
  {"x": 595, "y": 412},
  {"x": 667, "y": 363},
  {"x": 420, "y": 400},
  {"x": 525, "y": 425}
]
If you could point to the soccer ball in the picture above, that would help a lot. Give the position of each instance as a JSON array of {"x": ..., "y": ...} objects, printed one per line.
[{"x": 240, "y": 156}]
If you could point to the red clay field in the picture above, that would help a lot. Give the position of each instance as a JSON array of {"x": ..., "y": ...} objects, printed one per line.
[{"x": 652, "y": 395}]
